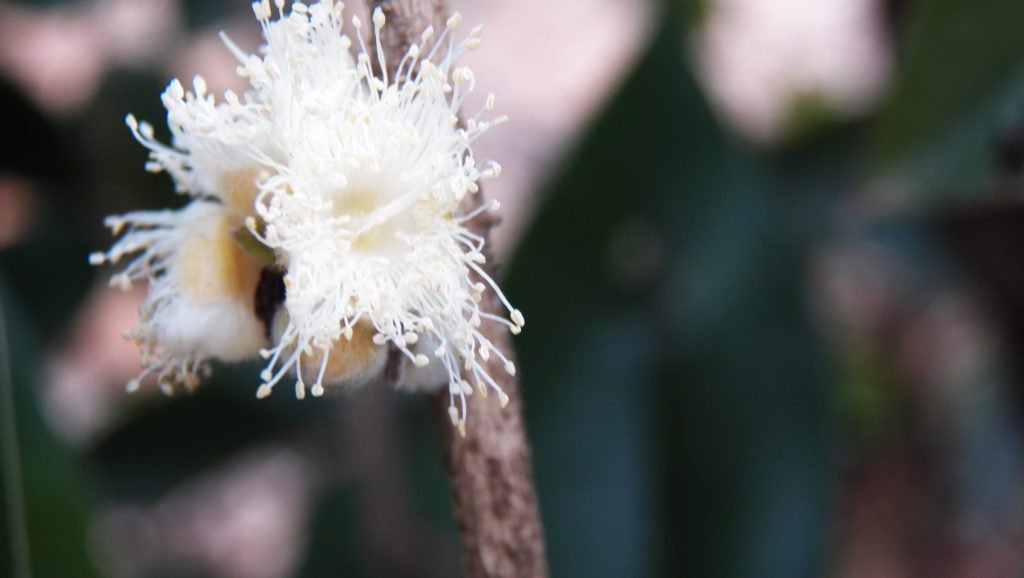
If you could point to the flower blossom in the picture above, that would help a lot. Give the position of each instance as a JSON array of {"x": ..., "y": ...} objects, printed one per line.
[{"x": 328, "y": 231}]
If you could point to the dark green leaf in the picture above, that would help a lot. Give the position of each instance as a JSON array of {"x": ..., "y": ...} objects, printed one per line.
[
  {"x": 56, "y": 501},
  {"x": 961, "y": 78},
  {"x": 673, "y": 385}
]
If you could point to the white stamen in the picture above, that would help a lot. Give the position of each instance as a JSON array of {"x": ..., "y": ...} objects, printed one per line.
[{"x": 355, "y": 182}]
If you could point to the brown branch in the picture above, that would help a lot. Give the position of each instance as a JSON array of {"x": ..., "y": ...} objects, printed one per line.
[
  {"x": 492, "y": 485},
  {"x": 493, "y": 495},
  {"x": 406, "y": 20}
]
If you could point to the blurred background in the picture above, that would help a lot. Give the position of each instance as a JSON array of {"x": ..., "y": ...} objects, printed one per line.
[{"x": 770, "y": 253}]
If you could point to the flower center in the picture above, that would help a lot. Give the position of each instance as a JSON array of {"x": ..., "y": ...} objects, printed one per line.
[{"x": 376, "y": 220}]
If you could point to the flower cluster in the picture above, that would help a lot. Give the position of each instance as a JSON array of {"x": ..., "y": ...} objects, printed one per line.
[{"x": 328, "y": 229}]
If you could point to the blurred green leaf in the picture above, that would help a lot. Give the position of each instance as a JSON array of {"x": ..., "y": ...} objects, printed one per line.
[
  {"x": 694, "y": 12},
  {"x": 961, "y": 77},
  {"x": 39, "y": 153},
  {"x": 167, "y": 441},
  {"x": 114, "y": 161},
  {"x": 673, "y": 385},
  {"x": 335, "y": 539},
  {"x": 78, "y": 170},
  {"x": 46, "y": 268},
  {"x": 206, "y": 13},
  {"x": 49, "y": 273},
  {"x": 56, "y": 501}
]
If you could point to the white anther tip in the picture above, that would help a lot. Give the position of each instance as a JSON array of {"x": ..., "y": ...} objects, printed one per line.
[
  {"x": 199, "y": 84},
  {"x": 263, "y": 391},
  {"x": 421, "y": 360},
  {"x": 502, "y": 399},
  {"x": 517, "y": 318}
]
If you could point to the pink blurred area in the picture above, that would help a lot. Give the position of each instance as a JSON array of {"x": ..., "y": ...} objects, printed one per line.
[
  {"x": 243, "y": 520},
  {"x": 59, "y": 55},
  {"x": 549, "y": 78},
  {"x": 760, "y": 58},
  {"x": 923, "y": 356}
]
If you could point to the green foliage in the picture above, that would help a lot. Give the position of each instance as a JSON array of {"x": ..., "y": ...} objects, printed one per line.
[
  {"x": 960, "y": 78},
  {"x": 56, "y": 499},
  {"x": 673, "y": 386}
]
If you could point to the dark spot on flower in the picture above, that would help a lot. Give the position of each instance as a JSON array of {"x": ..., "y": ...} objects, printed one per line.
[
  {"x": 269, "y": 296},
  {"x": 393, "y": 368}
]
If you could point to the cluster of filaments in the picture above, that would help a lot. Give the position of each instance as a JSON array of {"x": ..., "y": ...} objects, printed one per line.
[
  {"x": 155, "y": 237},
  {"x": 358, "y": 178}
]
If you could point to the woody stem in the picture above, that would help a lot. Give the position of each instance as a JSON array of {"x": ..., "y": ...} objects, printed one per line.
[{"x": 493, "y": 495}]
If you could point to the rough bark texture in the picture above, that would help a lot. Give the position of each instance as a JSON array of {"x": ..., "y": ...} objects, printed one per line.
[
  {"x": 493, "y": 495},
  {"x": 406, "y": 20},
  {"x": 492, "y": 486}
]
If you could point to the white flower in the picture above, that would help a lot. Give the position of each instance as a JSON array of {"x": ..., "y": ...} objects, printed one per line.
[
  {"x": 353, "y": 181},
  {"x": 201, "y": 286}
]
